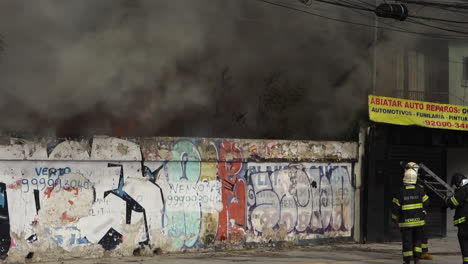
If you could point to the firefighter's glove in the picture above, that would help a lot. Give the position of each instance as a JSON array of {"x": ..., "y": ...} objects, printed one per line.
[{"x": 447, "y": 203}]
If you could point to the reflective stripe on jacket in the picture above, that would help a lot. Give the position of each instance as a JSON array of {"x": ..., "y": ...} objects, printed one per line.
[
  {"x": 409, "y": 206},
  {"x": 459, "y": 202}
]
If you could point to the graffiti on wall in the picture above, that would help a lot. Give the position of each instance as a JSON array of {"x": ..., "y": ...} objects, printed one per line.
[
  {"x": 300, "y": 198},
  {"x": 4, "y": 222},
  {"x": 231, "y": 171},
  {"x": 112, "y": 237},
  {"x": 197, "y": 193},
  {"x": 183, "y": 215},
  {"x": 210, "y": 218}
]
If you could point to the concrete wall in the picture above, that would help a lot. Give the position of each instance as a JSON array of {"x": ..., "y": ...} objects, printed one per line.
[
  {"x": 457, "y": 88},
  {"x": 110, "y": 196}
]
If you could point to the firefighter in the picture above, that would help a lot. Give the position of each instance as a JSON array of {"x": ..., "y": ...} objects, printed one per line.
[
  {"x": 459, "y": 203},
  {"x": 425, "y": 239},
  {"x": 409, "y": 211}
]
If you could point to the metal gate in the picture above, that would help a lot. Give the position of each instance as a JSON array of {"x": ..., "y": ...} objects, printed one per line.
[
  {"x": 387, "y": 146},
  {"x": 434, "y": 158}
]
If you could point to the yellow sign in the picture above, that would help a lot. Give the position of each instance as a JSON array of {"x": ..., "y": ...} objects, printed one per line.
[{"x": 409, "y": 112}]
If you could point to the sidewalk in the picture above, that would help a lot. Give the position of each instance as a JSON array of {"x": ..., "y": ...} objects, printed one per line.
[
  {"x": 445, "y": 251},
  {"x": 448, "y": 245},
  {"x": 312, "y": 254},
  {"x": 437, "y": 246}
]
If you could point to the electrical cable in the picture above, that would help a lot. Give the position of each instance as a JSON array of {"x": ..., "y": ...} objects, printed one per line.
[
  {"x": 359, "y": 3},
  {"x": 450, "y": 25},
  {"x": 394, "y": 22},
  {"x": 345, "y": 5},
  {"x": 458, "y": 12},
  {"x": 373, "y": 10},
  {"x": 425, "y": 3},
  {"x": 366, "y": 3},
  {"x": 438, "y": 19},
  {"x": 434, "y": 36},
  {"x": 436, "y": 27},
  {"x": 446, "y": 9},
  {"x": 358, "y": 7},
  {"x": 412, "y": 21},
  {"x": 373, "y": 17},
  {"x": 402, "y": 29}
]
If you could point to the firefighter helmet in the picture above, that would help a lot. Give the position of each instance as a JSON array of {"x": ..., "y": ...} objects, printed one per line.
[
  {"x": 457, "y": 179},
  {"x": 411, "y": 177},
  {"x": 413, "y": 166}
]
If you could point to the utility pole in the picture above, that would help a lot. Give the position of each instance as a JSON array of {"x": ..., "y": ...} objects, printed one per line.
[
  {"x": 374, "y": 73},
  {"x": 385, "y": 10}
]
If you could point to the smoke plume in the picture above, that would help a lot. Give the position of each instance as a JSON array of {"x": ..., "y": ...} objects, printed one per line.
[{"x": 230, "y": 68}]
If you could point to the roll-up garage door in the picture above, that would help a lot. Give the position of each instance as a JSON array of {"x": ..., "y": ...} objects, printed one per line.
[{"x": 432, "y": 157}]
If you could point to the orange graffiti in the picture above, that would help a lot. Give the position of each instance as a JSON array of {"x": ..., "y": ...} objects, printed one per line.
[
  {"x": 70, "y": 189},
  {"x": 48, "y": 191},
  {"x": 253, "y": 148},
  {"x": 65, "y": 217},
  {"x": 232, "y": 216},
  {"x": 16, "y": 185}
]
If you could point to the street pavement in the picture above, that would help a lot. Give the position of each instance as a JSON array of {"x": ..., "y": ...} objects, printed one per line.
[{"x": 445, "y": 250}]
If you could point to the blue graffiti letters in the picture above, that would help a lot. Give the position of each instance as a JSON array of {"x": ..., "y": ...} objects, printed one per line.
[{"x": 52, "y": 171}]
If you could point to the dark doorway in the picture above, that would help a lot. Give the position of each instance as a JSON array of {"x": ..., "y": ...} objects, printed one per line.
[{"x": 388, "y": 145}]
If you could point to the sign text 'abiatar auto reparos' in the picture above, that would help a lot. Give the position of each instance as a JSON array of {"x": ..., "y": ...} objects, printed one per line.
[{"x": 410, "y": 112}]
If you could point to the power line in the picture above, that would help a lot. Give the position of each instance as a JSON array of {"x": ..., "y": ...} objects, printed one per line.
[
  {"x": 458, "y": 12},
  {"x": 434, "y": 36},
  {"x": 361, "y": 4},
  {"x": 439, "y": 19},
  {"x": 411, "y": 21},
  {"x": 436, "y": 4},
  {"x": 366, "y": 3},
  {"x": 451, "y": 25},
  {"x": 373, "y": 17},
  {"x": 358, "y": 7},
  {"x": 370, "y": 26},
  {"x": 445, "y": 9},
  {"x": 353, "y": 6},
  {"x": 436, "y": 27},
  {"x": 346, "y": 5},
  {"x": 419, "y": 10},
  {"x": 392, "y": 24}
]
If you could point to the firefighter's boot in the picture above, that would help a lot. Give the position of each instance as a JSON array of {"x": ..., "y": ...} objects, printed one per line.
[{"x": 427, "y": 256}]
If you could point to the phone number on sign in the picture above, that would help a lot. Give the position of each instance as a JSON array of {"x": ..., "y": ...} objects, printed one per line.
[
  {"x": 57, "y": 184},
  {"x": 447, "y": 124}
]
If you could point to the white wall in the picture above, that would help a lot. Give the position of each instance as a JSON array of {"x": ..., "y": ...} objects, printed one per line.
[{"x": 82, "y": 198}]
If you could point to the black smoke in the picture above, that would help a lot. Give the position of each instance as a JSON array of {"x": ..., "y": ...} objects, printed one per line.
[{"x": 213, "y": 68}]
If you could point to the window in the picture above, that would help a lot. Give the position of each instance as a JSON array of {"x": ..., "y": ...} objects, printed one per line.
[{"x": 416, "y": 75}]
